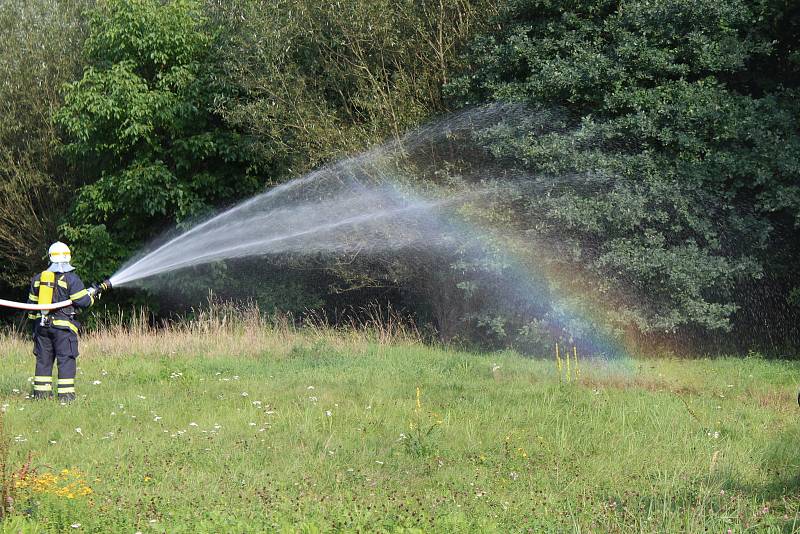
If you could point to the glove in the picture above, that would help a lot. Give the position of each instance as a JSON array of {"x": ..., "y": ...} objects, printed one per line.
[{"x": 96, "y": 290}]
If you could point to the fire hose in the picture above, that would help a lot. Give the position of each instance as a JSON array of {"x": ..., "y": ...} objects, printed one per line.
[
  {"x": 35, "y": 307},
  {"x": 95, "y": 289}
]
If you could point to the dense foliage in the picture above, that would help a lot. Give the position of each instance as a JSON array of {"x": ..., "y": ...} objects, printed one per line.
[
  {"x": 142, "y": 128},
  {"x": 41, "y": 51},
  {"x": 674, "y": 150},
  {"x": 661, "y": 145}
]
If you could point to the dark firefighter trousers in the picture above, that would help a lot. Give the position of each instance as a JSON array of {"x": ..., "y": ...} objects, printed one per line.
[{"x": 51, "y": 344}]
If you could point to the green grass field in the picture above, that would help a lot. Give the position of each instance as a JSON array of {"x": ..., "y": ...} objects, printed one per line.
[{"x": 264, "y": 429}]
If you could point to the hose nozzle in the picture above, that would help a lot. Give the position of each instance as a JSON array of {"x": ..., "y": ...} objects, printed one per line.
[{"x": 97, "y": 289}]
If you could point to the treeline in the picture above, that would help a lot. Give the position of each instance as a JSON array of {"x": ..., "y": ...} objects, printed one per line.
[{"x": 121, "y": 119}]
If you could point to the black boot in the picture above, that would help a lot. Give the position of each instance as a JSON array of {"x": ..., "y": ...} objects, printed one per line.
[
  {"x": 66, "y": 397},
  {"x": 42, "y": 395}
]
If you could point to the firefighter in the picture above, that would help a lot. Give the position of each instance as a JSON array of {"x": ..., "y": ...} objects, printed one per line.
[{"x": 55, "y": 333}]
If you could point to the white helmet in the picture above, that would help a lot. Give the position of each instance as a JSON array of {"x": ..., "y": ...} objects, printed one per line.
[{"x": 59, "y": 253}]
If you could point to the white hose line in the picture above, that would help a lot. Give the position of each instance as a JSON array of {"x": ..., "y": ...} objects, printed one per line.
[{"x": 34, "y": 307}]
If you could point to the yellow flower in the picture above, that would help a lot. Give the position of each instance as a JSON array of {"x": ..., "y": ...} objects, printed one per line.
[{"x": 147, "y": 479}]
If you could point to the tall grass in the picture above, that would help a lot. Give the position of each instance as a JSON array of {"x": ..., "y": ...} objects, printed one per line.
[{"x": 229, "y": 328}]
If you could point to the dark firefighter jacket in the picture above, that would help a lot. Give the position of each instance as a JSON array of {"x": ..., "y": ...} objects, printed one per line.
[{"x": 68, "y": 286}]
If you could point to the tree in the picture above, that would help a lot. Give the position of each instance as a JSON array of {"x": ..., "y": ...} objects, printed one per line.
[
  {"x": 671, "y": 138},
  {"x": 144, "y": 132},
  {"x": 41, "y": 50}
]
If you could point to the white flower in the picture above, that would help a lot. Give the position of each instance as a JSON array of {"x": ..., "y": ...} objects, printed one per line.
[
  {"x": 192, "y": 424},
  {"x": 52, "y": 442},
  {"x": 157, "y": 418},
  {"x": 328, "y": 413},
  {"x": 79, "y": 431},
  {"x": 252, "y": 424},
  {"x": 312, "y": 399},
  {"x": 244, "y": 394},
  {"x": 378, "y": 462},
  {"x": 15, "y": 390},
  {"x": 256, "y": 403},
  {"x": 310, "y": 388},
  {"x": 141, "y": 396},
  {"x": 96, "y": 383},
  {"x": 103, "y": 372},
  {"x": 76, "y": 525}
]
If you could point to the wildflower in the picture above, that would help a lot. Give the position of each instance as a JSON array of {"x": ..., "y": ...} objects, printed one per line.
[
  {"x": 312, "y": 399},
  {"x": 96, "y": 383},
  {"x": 192, "y": 424},
  {"x": 75, "y": 525},
  {"x": 328, "y": 413},
  {"x": 513, "y": 475},
  {"x": 310, "y": 388},
  {"x": 257, "y": 403},
  {"x": 15, "y": 390},
  {"x": 147, "y": 479},
  {"x": 103, "y": 372},
  {"x": 378, "y": 462},
  {"x": 244, "y": 394},
  {"x": 79, "y": 431},
  {"x": 252, "y": 424}
]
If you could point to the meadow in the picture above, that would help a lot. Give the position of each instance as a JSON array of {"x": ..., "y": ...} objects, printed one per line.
[{"x": 252, "y": 426}]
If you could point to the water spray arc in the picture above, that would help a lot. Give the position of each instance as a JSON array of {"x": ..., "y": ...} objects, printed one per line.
[{"x": 405, "y": 199}]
